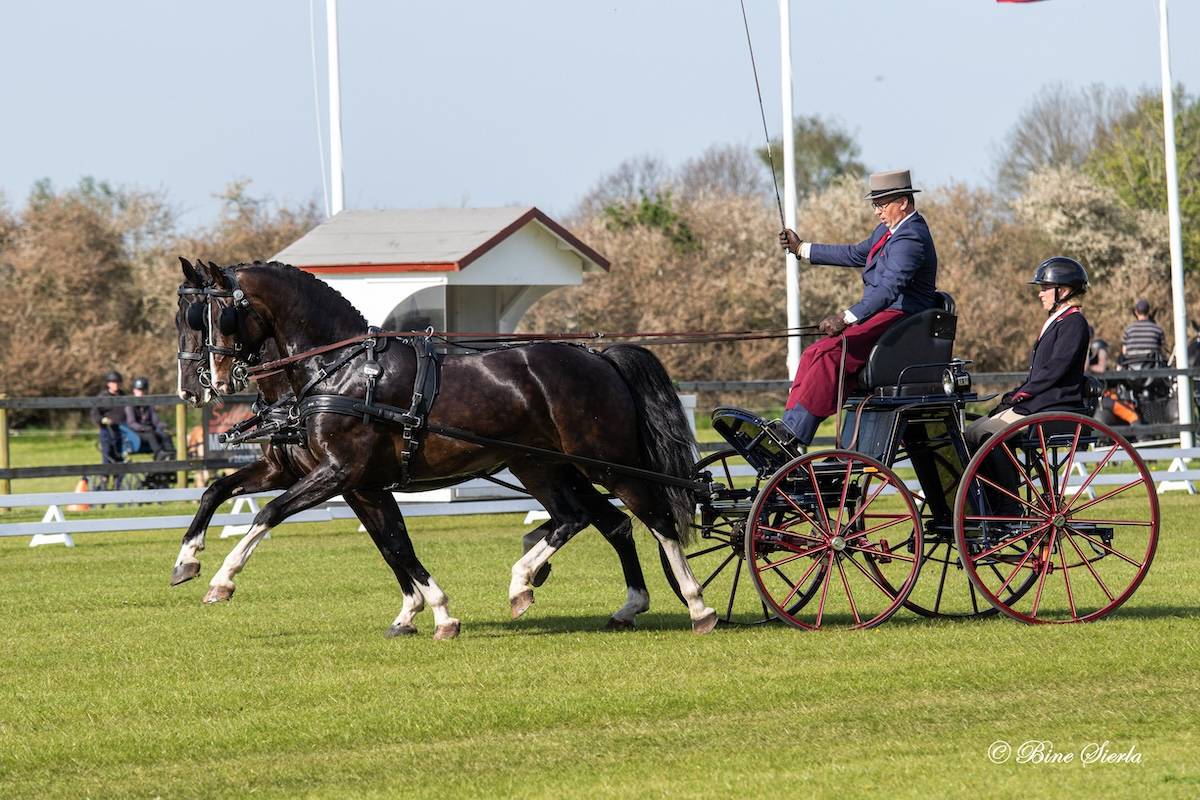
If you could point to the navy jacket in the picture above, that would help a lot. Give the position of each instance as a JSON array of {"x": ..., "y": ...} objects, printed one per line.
[
  {"x": 902, "y": 275},
  {"x": 1056, "y": 372}
]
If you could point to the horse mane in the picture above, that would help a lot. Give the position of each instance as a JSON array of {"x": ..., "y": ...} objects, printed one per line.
[{"x": 332, "y": 300}]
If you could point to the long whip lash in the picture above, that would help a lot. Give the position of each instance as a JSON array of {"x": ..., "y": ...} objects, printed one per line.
[{"x": 763, "y": 114}]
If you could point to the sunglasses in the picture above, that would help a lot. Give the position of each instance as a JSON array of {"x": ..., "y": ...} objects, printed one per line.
[{"x": 884, "y": 203}]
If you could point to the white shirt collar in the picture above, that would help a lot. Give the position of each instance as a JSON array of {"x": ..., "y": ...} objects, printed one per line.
[
  {"x": 1050, "y": 320},
  {"x": 901, "y": 222}
]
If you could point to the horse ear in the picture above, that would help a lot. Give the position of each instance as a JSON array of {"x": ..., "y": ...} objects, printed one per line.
[
  {"x": 189, "y": 272},
  {"x": 219, "y": 278}
]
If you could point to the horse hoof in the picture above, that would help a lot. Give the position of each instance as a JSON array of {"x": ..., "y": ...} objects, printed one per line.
[
  {"x": 521, "y": 603},
  {"x": 541, "y": 575},
  {"x": 400, "y": 630},
  {"x": 447, "y": 630},
  {"x": 706, "y": 623},
  {"x": 185, "y": 572},
  {"x": 217, "y": 594},
  {"x": 615, "y": 624}
]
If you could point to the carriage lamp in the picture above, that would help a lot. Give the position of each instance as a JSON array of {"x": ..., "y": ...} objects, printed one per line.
[{"x": 955, "y": 380}]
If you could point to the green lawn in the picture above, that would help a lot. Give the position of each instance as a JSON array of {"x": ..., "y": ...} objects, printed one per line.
[{"x": 114, "y": 685}]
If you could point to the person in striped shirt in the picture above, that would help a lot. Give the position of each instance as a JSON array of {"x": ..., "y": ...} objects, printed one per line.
[{"x": 1144, "y": 341}]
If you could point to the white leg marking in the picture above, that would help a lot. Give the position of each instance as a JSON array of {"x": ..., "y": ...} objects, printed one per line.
[
  {"x": 413, "y": 604},
  {"x": 188, "y": 551},
  {"x": 637, "y": 601},
  {"x": 688, "y": 586},
  {"x": 439, "y": 603},
  {"x": 523, "y": 570},
  {"x": 238, "y": 556}
]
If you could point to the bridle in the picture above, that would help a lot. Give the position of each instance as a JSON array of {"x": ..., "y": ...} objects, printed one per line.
[
  {"x": 230, "y": 322},
  {"x": 196, "y": 318}
]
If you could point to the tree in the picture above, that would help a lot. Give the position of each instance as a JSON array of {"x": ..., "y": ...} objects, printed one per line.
[
  {"x": 1129, "y": 159},
  {"x": 1060, "y": 127},
  {"x": 824, "y": 151}
]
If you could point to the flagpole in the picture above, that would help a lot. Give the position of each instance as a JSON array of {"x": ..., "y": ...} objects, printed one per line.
[
  {"x": 789, "y": 183},
  {"x": 1178, "y": 302},
  {"x": 336, "y": 181}
]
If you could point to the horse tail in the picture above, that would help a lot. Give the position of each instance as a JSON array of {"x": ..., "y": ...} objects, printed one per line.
[{"x": 664, "y": 435}]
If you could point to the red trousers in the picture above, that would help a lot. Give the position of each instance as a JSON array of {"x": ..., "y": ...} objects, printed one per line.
[{"x": 815, "y": 387}]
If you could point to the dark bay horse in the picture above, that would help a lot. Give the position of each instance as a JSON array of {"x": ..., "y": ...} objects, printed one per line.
[
  {"x": 617, "y": 406},
  {"x": 280, "y": 466}
]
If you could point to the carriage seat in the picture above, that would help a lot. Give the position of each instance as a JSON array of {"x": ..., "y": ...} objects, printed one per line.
[{"x": 924, "y": 338}]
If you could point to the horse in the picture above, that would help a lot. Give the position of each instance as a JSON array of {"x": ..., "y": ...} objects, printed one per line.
[
  {"x": 280, "y": 466},
  {"x": 562, "y": 418}
]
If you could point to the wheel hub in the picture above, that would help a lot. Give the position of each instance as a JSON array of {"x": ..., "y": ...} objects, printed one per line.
[
  {"x": 838, "y": 543},
  {"x": 1059, "y": 521}
]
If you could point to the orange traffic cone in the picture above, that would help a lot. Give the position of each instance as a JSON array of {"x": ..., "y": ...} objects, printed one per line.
[{"x": 82, "y": 486}]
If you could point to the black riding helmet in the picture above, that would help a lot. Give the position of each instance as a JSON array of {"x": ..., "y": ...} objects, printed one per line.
[
  {"x": 1061, "y": 271},
  {"x": 113, "y": 377},
  {"x": 141, "y": 383}
]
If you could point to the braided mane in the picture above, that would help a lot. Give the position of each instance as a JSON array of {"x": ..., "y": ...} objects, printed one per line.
[{"x": 331, "y": 299}]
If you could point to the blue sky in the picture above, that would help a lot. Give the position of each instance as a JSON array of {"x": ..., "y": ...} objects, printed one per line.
[{"x": 530, "y": 101}]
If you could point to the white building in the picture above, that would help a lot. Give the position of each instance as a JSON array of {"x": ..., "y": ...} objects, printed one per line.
[{"x": 457, "y": 269}]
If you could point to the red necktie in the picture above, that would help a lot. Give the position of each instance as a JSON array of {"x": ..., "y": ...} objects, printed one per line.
[{"x": 875, "y": 249}]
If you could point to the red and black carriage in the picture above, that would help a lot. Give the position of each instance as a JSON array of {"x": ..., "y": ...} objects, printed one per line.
[{"x": 1054, "y": 519}]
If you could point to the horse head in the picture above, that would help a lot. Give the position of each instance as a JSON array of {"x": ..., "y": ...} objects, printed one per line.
[
  {"x": 236, "y": 331},
  {"x": 194, "y": 383}
]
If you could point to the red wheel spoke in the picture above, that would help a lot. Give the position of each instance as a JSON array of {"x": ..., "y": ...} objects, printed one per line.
[
  {"x": 1062, "y": 556},
  {"x": 879, "y": 527},
  {"x": 872, "y": 579},
  {"x": 1105, "y": 547},
  {"x": 879, "y": 553},
  {"x": 861, "y": 509},
  {"x": 824, "y": 590},
  {"x": 1019, "y": 565},
  {"x": 1090, "y": 569},
  {"x": 995, "y": 518},
  {"x": 1024, "y": 476},
  {"x": 1050, "y": 474},
  {"x": 849, "y": 596},
  {"x": 791, "y": 533},
  {"x": 801, "y": 511},
  {"x": 795, "y": 555},
  {"x": 1043, "y": 572},
  {"x": 1076, "y": 520},
  {"x": 1112, "y": 451},
  {"x": 980, "y": 476},
  {"x": 1061, "y": 496},
  {"x": 1007, "y": 542},
  {"x": 837, "y": 526},
  {"x": 796, "y": 586},
  {"x": 817, "y": 490},
  {"x": 1104, "y": 497}
]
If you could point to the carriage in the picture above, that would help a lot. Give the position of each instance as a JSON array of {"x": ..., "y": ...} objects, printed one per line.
[{"x": 1054, "y": 519}]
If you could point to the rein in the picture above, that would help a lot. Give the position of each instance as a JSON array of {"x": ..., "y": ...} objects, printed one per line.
[{"x": 639, "y": 337}]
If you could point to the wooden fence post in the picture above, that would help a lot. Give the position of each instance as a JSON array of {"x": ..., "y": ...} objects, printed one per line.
[
  {"x": 181, "y": 451},
  {"x": 4, "y": 485}
]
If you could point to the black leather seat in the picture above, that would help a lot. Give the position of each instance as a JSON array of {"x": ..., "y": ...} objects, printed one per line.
[{"x": 924, "y": 338}]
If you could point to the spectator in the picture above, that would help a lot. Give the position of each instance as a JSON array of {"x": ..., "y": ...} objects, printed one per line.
[
  {"x": 109, "y": 418},
  {"x": 1097, "y": 354},
  {"x": 1144, "y": 341},
  {"x": 144, "y": 421}
]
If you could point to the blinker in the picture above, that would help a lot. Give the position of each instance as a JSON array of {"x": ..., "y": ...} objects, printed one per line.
[
  {"x": 195, "y": 316},
  {"x": 227, "y": 323}
]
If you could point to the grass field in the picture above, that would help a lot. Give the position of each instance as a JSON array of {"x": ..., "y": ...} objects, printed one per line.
[{"x": 114, "y": 685}]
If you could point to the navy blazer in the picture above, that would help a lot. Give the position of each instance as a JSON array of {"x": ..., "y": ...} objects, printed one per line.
[
  {"x": 1056, "y": 373},
  {"x": 902, "y": 275}
]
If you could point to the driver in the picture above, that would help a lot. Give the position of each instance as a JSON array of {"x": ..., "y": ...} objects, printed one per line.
[
  {"x": 899, "y": 273},
  {"x": 1056, "y": 372}
]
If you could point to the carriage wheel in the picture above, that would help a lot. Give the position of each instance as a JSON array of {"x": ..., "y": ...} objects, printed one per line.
[
  {"x": 1064, "y": 502},
  {"x": 719, "y": 553},
  {"x": 822, "y": 527}
]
